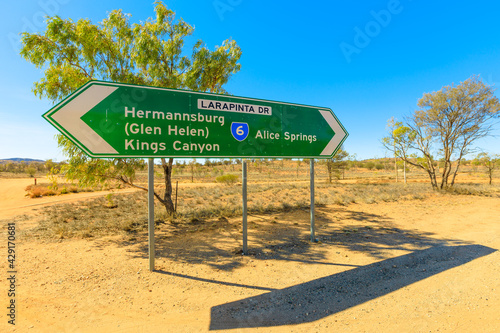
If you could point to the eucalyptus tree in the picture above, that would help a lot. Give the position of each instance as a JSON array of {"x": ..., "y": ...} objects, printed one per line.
[
  {"x": 337, "y": 164},
  {"x": 148, "y": 53},
  {"x": 447, "y": 125},
  {"x": 401, "y": 138},
  {"x": 490, "y": 162}
]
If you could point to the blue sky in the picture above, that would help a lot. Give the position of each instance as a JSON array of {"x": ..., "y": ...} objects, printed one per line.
[{"x": 366, "y": 60}]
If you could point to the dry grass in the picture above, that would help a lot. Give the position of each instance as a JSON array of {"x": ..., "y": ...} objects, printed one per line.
[
  {"x": 127, "y": 213},
  {"x": 93, "y": 218},
  {"x": 38, "y": 191},
  {"x": 274, "y": 187},
  {"x": 373, "y": 193},
  {"x": 475, "y": 189},
  {"x": 47, "y": 189}
]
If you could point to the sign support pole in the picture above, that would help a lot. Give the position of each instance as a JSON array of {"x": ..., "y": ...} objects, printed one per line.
[
  {"x": 151, "y": 214},
  {"x": 244, "y": 195},
  {"x": 313, "y": 237}
]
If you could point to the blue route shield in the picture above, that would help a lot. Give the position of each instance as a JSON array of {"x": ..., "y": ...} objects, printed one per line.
[{"x": 239, "y": 131}]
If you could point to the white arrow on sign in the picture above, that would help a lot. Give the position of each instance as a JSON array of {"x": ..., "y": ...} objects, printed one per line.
[
  {"x": 69, "y": 118},
  {"x": 339, "y": 132}
]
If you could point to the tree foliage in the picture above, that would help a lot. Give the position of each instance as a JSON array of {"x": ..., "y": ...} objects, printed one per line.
[
  {"x": 337, "y": 164},
  {"x": 147, "y": 53},
  {"x": 490, "y": 162},
  {"x": 399, "y": 141},
  {"x": 447, "y": 125}
]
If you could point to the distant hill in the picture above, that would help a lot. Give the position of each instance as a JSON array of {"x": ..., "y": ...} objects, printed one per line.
[{"x": 18, "y": 159}]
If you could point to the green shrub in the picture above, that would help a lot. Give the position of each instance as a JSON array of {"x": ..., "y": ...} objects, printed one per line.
[
  {"x": 228, "y": 179},
  {"x": 31, "y": 171}
]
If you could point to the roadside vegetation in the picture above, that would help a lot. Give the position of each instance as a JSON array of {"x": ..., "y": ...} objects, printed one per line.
[
  {"x": 290, "y": 173},
  {"x": 33, "y": 169},
  {"x": 203, "y": 207},
  {"x": 445, "y": 128},
  {"x": 41, "y": 190}
]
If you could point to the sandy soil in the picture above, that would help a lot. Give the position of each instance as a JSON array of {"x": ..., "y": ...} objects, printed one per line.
[
  {"x": 415, "y": 266},
  {"x": 13, "y": 199}
]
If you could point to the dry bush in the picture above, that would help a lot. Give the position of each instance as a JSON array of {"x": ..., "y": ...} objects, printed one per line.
[
  {"x": 372, "y": 193},
  {"x": 127, "y": 213},
  {"x": 475, "y": 189},
  {"x": 34, "y": 192},
  {"x": 46, "y": 189},
  {"x": 93, "y": 218},
  {"x": 37, "y": 191},
  {"x": 228, "y": 179}
]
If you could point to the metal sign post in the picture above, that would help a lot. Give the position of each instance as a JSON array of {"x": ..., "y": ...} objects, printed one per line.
[
  {"x": 151, "y": 213},
  {"x": 313, "y": 237},
  {"x": 244, "y": 195}
]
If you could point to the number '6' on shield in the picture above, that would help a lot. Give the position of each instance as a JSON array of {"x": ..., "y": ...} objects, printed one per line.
[{"x": 239, "y": 131}]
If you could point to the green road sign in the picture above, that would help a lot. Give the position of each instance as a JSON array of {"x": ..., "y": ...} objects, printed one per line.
[{"x": 117, "y": 120}]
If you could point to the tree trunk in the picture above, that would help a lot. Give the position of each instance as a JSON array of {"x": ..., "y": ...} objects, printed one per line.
[
  {"x": 404, "y": 171},
  {"x": 432, "y": 173},
  {"x": 192, "y": 172},
  {"x": 329, "y": 168},
  {"x": 446, "y": 173},
  {"x": 432, "y": 176},
  {"x": 166, "y": 201},
  {"x": 396, "y": 165},
  {"x": 455, "y": 173},
  {"x": 458, "y": 165}
]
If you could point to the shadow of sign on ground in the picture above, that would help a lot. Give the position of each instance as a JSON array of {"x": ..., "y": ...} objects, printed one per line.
[
  {"x": 287, "y": 239},
  {"x": 322, "y": 297}
]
